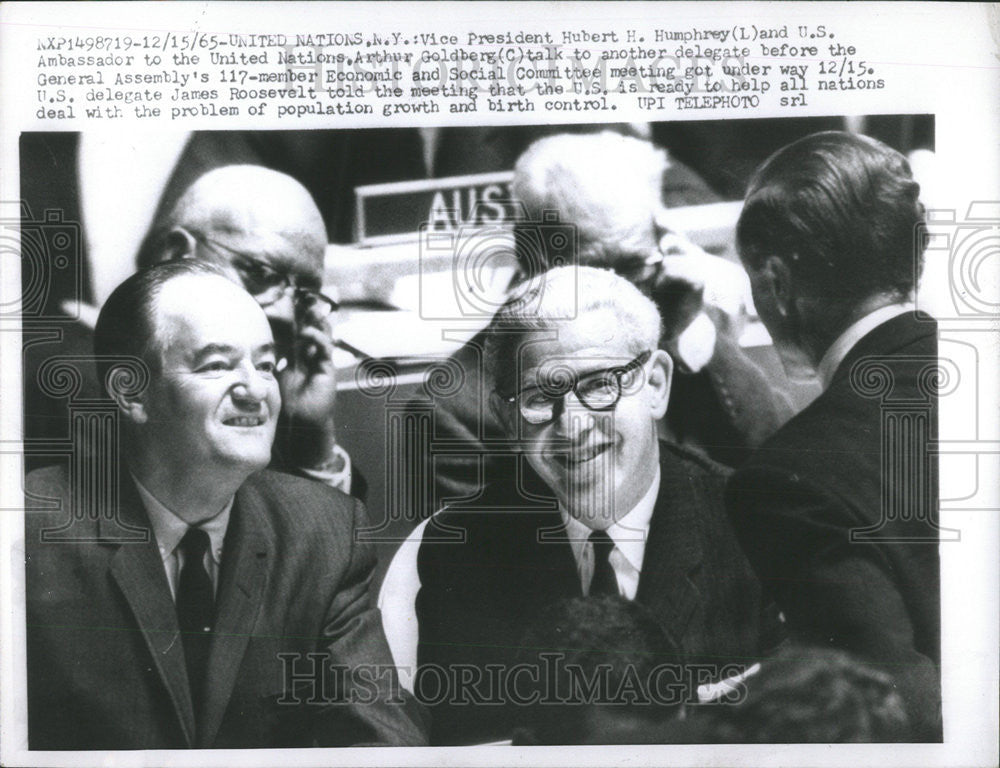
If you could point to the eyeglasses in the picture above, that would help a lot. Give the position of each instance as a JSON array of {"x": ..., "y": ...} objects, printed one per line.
[
  {"x": 596, "y": 391},
  {"x": 267, "y": 285}
]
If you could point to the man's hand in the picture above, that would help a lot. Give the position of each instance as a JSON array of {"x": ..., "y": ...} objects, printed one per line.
[
  {"x": 308, "y": 395},
  {"x": 718, "y": 282},
  {"x": 686, "y": 280},
  {"x": 678, "y": 285}
]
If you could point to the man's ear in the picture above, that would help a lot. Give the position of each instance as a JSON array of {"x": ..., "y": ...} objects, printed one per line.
[
  {"x": 131, "y": 404},
  {"x": 179, "y": 244},
  {"x": 661, "y": 371},
  {"x": 779, "y": 281}
]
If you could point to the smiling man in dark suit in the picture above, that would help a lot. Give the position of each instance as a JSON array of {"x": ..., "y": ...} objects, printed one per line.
[
  {"x": 837, "y": 511},
  {"x": 207, "y": 603},
  {"x": 579, "y": 385}
]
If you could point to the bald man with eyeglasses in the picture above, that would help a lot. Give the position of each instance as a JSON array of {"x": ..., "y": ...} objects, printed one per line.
[
  {"x": 264, "y": 229},
  {"x": 579, "y": 384}
]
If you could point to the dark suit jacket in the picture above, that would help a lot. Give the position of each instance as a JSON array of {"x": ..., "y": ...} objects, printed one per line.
[
  {"x": 477, "y": 598},
  {"x": 796, "y": 501},
  {"x": 106, "y": 665}
]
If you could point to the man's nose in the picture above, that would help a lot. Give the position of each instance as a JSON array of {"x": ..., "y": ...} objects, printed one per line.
[
  {"x": 573, "y": 417},
  {"x": 252, "y": 387}
]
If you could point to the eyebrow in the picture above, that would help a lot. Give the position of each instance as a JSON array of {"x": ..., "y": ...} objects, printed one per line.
[
  {"x": 214, "y": 349},
  {"x": 228, "y": 350}
]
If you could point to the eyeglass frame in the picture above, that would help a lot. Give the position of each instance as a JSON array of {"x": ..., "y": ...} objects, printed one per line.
[
  {"x": 559, "y": 403},
  {"x": 286, "y": 279}
]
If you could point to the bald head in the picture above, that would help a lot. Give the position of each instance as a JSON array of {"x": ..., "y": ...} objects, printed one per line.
[
  {"x": 261, "y": 227},
  {"x": 251, "y": 201}
]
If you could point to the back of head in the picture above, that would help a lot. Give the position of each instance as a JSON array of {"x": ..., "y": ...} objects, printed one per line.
[
  {"x": 605, "y": 185},
  {"x": 842, "y": 212},
  {"x": 126, "y": 326},
  {"x": 560, "y": 296},
  {"x": 810, "y": 695},
  {"x": 607, "y": 673}
]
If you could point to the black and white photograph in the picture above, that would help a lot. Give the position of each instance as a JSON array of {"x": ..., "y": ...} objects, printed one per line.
[{"x": 506, "y": 434}]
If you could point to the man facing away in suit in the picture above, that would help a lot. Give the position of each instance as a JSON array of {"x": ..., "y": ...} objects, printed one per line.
[
  {"x": 837, "y": 511},
  {"x": 579, "y": 384},
  {"x": 211, "y": 604}
]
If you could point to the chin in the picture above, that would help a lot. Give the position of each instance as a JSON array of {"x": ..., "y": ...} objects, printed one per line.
[{"x": 251, "y": 458}]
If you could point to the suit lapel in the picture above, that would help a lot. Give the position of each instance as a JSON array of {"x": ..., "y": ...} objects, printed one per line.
[
  {"x": 138, "y": 570},
  {"x": 246, "y": 555},
  {"x": 673, "y": 550}
]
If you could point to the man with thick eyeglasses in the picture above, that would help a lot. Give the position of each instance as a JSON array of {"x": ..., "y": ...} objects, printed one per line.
[
  {"x": 579, "y": 386},
  {"x": 598, "y": 390},
  {"x": 265, "y": 230}
]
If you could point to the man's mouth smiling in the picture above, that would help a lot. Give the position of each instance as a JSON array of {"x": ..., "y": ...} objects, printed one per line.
[
  {"x": 245, "y": 421},
  {"x": 581, "y": 456}
]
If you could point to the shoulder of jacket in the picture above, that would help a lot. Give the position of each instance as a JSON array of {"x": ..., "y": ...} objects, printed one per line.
[{"x": 693, "y": 460}]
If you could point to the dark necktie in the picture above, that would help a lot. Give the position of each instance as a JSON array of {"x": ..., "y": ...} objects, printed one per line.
[
  {"x": 195, "y": 609},
  {"x": 604, "y": 581}
]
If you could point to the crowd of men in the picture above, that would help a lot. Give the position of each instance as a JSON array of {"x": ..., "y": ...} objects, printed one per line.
[{"x": 631, "y": 538}]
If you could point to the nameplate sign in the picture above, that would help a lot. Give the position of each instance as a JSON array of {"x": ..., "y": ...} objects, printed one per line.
[{"x": 396, "y": 212}]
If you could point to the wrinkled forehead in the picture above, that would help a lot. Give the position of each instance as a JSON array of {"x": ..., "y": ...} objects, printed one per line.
[
  {"x": 573, "y": 348},
  {"x": 196, "y": 312}
]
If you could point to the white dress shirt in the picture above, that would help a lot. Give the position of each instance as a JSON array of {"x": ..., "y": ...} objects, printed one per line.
[
  {"x": 336, "y": 473},
  {"x": 856, "y": 331},
  {"x": 629, "y": 534},
  {"x": 169, "y": 529}
]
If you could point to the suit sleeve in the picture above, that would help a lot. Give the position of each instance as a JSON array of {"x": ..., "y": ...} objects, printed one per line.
[
  {"x": 833, "y": 592},
  {"x": 461, "y": 419},
  {"x": 471, "y": 612},
  {"x": 359, "y": 654}
]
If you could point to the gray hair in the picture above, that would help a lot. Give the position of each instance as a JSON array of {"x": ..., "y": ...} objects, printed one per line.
[
  {"x": 605, "y": 184},
  {"x": 560, "y": 296}
]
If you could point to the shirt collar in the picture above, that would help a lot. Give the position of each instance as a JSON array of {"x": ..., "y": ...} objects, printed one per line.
[
  {"x": 629, "y": 533},
  {"x": 169, "y": 529},
  {"x": 858, "y": 330}
]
